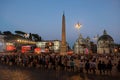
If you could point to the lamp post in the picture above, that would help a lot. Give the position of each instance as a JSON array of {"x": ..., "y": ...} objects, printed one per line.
[{"x": 78, "y": 26}]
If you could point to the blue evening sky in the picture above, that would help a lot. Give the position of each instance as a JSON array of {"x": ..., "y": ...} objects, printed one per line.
[{"x": 44, "y": 17}]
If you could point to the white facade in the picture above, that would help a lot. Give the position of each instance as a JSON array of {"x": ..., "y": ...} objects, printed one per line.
[{"x": 81, "y": 45}]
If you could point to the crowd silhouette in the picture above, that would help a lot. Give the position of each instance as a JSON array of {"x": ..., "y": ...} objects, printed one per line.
[{"x": 72, "y": 63}]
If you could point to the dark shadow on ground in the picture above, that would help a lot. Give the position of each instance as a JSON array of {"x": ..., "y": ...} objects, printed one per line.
[{"x": 22, "y": 73}]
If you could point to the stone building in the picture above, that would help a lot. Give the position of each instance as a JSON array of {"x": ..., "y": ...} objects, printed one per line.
[
  {"x": 82, "y": 45},
  {"x": 105, "y": 44},
  {"x": 2, "y": 43}
]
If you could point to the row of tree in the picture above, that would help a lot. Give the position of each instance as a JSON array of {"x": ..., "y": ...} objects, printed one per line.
[{"x": 30, "y": 36}]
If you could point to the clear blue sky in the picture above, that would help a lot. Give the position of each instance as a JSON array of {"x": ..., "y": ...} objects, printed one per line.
[{"x": 44, "y": 17}]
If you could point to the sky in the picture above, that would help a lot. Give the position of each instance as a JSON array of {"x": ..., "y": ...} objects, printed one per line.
[{"x": 44, "y": 17}]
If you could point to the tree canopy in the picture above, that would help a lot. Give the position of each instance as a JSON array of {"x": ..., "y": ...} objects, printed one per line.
[{"x": 7, "y": 33}]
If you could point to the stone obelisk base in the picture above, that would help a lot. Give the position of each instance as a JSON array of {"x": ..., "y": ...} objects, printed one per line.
[{"x": 63, "y": 50}]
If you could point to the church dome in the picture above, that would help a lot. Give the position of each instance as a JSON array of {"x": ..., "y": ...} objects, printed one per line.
[{"x": 105, "y": 37}]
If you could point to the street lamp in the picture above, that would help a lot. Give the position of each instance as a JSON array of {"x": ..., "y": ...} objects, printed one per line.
[{"x": 78, "y": 26}]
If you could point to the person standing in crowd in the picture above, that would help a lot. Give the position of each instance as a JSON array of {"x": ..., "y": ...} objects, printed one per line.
[
  {"x": 72, "y": 64},
  {"x": 93, "y": 66},
  {"x": 87, "y": 66},
  {"x": 103, "y": 67},
  {"x": 100, "y": 67},
  {"x": 68, "y": 64},
  {"x": 118, "y": 66},
  {"x": 109, "y": 66},
  {"x": 81, "y": 65}
]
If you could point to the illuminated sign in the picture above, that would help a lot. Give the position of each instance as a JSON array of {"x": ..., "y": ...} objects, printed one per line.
[
  {"x": 10, "y": 47},
  {"x": 25, "y": 49}
]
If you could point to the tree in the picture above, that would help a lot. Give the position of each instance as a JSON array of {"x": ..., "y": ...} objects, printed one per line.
[
  {"x": 7, "y": 33},
  {"x": 30, "y": 36},
  {"x": 0, "y": 32},
  {"x": 21, "y": 33},
  {"x": 36, "y": 37},
  {"x": 8, "y": 36}
]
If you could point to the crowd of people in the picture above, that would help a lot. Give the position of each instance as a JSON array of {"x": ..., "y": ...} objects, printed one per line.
[{"x": 71, "y": 63}]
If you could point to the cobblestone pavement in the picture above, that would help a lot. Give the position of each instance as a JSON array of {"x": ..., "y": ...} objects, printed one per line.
[{"x": 22, "y": 73}]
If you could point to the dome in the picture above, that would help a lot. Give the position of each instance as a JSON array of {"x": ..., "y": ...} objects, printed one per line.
[{"x": 105, "y": 37}]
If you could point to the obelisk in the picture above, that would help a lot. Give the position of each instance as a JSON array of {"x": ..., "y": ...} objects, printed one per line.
[{"x": 63, "y": 41}]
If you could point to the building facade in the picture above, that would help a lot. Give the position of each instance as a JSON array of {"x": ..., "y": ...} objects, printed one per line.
[
  {"x": 82, "y": 45},
  {"x": 51, "y": 45},
  {"x": 105, "y": 44},
  {"x": 2, "y": 43},
  {"x": 14, "y": 43}
]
